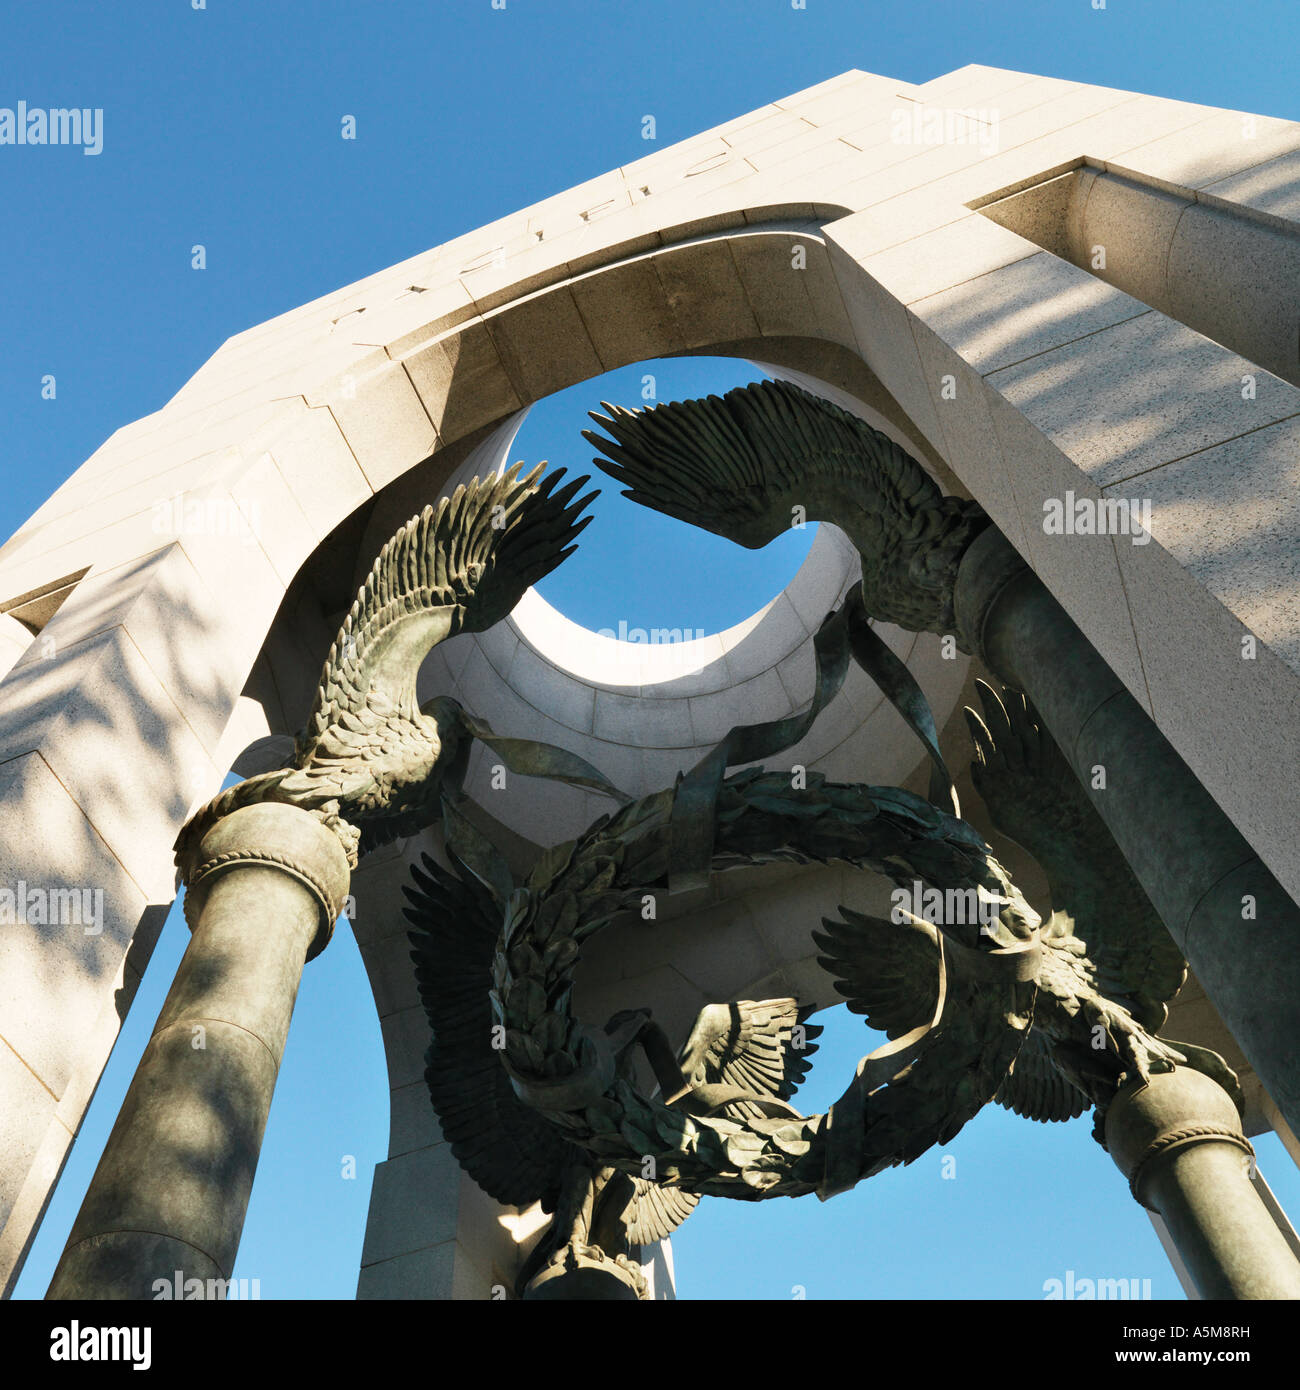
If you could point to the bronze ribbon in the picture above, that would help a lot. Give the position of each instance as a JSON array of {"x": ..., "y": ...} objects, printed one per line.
[
  {"x": 846, "y": 1120},
  {"x": 529, "y": 758},
  {"x": 581, "y": 1088},
  {"x": 901, "y": 690},
  {"x": 475, "y": 851},
  {"x": 694, "y": 807},
  {"x": 844, "y": 633}
]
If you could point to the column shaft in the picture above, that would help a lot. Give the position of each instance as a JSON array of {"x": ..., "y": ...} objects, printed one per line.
[
  {"x": 168, "y": 1199},
  {"x": 1191, "y": 860},
  {"x": 1179, "y": 1142}
]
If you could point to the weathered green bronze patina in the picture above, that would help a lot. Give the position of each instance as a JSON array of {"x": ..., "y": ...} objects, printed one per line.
[
  {"x": 964, "y": 995},
  {"x": 1035, "y": 799},
  {"x": 371, "y": 763},
  {"x": 744, "y": 465},
  {"x": 1048, "y": 1018},
  {"x": 750, "y": 1054},
  {"x": 266, "y": 865}
]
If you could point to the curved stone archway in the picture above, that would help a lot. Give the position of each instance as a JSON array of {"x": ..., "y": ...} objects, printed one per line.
[
  {"x": 201, "y": 555},
  {"x": 191, "y": 607}
]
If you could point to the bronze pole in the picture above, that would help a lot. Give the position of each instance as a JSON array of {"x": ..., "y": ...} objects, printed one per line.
[
  {"x": 1192, "y": 862},
  {"x": 168, "y": 1199},
  {"x": 1179, "y": 1142}
]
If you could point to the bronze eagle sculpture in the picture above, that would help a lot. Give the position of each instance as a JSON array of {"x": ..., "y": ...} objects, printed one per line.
[
  {"x": 743, "y": 465},
  {"x": 1108, "y": 939},
  {"x": 745, "y": 1058},
  {"x": 372, "y": 762},
  {"x": 1046, "y": 1017}
]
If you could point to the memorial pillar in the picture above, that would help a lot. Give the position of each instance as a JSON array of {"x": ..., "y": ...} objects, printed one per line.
[
  {"x": 1178, "y": 1140},
  {"x": 1192, "y": 862},
  {"x": 168, "y": 1199}
]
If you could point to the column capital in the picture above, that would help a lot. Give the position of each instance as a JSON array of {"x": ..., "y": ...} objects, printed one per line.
[
  {"x": 279, "y": 836},
  {"x": 987, "y": 566},
  {"x": 1147, "y": 1124}
]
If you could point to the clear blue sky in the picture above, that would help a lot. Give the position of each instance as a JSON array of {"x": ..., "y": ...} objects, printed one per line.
[
  {"x": 221, "y": 127},
  {"x": 668, "y": 574}
]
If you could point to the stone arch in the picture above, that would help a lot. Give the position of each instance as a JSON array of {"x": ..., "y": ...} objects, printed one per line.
[
  {"x": 175, "y": 643},
  {"x": 859, "y": 737},
  {"x": 320, "y": 427}
]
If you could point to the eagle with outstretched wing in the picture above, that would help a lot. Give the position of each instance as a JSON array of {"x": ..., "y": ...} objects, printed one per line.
[
  {"x": 747, "y": 464},
  {"x": 746, "y": 1059},
  {"x": 742, "y": 1058},
  {"x": 371, "y": 761},
  {"x": 1109, "y": 963},
  {"x": 956, "y": 1014}
]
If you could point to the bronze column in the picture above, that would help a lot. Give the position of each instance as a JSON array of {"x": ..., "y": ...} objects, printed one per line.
[
  {"x": 1179, "y": 1142},
  {"x": 1191, "y": 860},
  {"x": 168, "y": 1199}
]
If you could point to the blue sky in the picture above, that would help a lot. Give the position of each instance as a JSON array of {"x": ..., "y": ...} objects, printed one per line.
[
  {"x": 669, "y": 574},
  {"x": 222, "y": 128}
]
